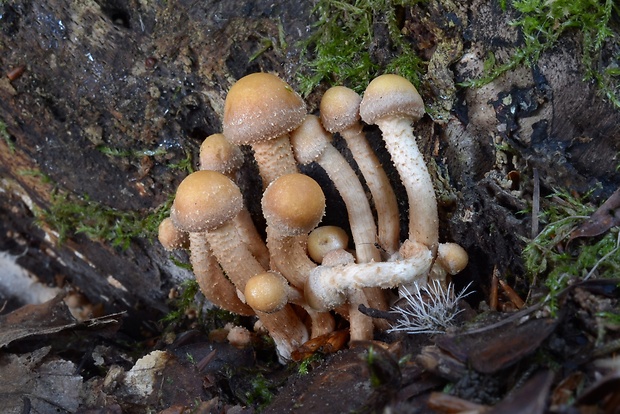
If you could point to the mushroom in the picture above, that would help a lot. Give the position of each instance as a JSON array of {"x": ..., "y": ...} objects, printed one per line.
[
  {"x": 267, "y": 292},
  {"x": 204, "y": 206},
  {"x": 325, "y": 239},
  {"x": 170, "y": 237},
  {"x": 393, "y": 103},
  {"x": 218, "y": 154},
  {"x": 327, "y": 287},
  {"x": 260, "y": 110},
  {"x": 451, "y": 260},
  {"x": 293, "y": 205},
  {"x": 340, "y": 113}
]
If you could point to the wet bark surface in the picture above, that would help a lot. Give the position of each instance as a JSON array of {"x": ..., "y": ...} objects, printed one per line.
[{"x": 148, "y": 80}]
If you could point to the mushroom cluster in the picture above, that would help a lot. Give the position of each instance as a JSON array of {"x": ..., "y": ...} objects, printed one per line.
[{"x": 301, "y": 275}]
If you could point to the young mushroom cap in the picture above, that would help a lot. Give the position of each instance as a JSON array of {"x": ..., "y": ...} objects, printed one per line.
[
  {"x": 261, "y": 106},
  {"x": 339, "y": 108},
  {"x": 267, "y": 292},
  {"x": 170, "y": 237},
  {"x": 204, "y": 200},
  {"x": 218, "y": 154},
  {"x": 325, "y": 239},
  {"x": 452, "y": 258},
  {"x": 293, "y": 204}
]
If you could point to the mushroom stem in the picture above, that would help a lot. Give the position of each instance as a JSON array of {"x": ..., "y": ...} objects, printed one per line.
[
  {"x": 218, "y": 154},
  {"x": 213, "y": 284},
  {"x": 274, "y": 158},
  {"x": 409, "y": 162},
  {"x": 388, "y": 220},
  {"x": 327, "y": 287},
  {"x": 311, "y": 143}
]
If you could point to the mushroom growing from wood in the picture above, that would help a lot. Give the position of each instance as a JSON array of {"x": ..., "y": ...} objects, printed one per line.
[
  {"x": 260, "y": 110},
  {"x": 218, "y": 154},
  {"x": 340, "y": 113},
  {"x": 393, "y": 103},
  {"x": 204, "y": 206}
]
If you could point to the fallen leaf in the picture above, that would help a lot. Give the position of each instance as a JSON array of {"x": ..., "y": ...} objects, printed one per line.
[{"x": 604, "y": 218}]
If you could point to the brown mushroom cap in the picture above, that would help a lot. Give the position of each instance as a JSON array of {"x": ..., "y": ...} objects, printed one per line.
[
  {"x": 218, "y": 154},
  {"x": 293, "y": 204},
  {"x": 204, "y": 200},
  {"x": 325, "y": 239},
  {"x": 261, "y": 106},
  {"x": 170, "y": 237},
  {"x": 391, "y": 95},
  {"x": 266, "y": 292},
  {"x": 340, "y": 108},
  {"x": 452, "y": 257}
]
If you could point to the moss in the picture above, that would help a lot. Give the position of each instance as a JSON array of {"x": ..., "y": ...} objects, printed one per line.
[
  {"x": 70, "y": 215},
  {"x": 542, "y": 23},
  {"x": 551, "y": 260},
  {"x": 338, "y": 50}
]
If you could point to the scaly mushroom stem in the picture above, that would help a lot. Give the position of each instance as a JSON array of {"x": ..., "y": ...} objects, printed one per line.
[
  {"x": 218, "y": 154},
  {"x": 327, "y": 287},
  {"x": 388, "y": 220},
  {"x": 311, "y": 143},
  {"x": 213, "y": 284},
  {"x": 408, "y": 160},
  {"x": 274, "y": 158}
]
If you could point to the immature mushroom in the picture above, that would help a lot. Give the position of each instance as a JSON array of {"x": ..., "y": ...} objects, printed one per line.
[
  {"x": 451, "y": 259},
  {"x": 393, "y": 103},
  {"x": 340, "y": 113},
  {"x": 260, "y": 110},
  {"x": 325, "y": 239},
  {"x": 267, "y": 292},
  {"x": 170, "y": 237},
  {"x": 218, "y": 154},
  {"x": 293, "y": 205},
  {"x": 205, "y": 204}
]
